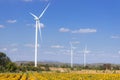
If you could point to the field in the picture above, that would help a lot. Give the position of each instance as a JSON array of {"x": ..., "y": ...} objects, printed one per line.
[{"x": 59, "y": 76}]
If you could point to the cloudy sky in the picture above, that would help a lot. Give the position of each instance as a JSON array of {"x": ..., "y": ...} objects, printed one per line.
[{"x": 95, "y": 23}]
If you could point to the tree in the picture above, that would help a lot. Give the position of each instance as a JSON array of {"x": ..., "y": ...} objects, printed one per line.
[
  {"x": 5, "y": 63},
  {"x": 4, "y": 60},
  {"x": 47, "y": 67},
  {"x": 11, "y": 67}
]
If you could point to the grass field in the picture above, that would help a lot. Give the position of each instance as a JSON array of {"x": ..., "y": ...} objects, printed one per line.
[{"x": 59, "y": 76}]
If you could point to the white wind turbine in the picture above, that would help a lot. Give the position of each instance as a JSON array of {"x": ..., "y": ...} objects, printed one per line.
[
  {"x": 71, "y": 51},
  {"x": 37, "y": 19},
  {"x": 85, "y": 52}
]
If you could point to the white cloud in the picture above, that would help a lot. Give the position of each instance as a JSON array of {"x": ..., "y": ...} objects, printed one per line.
[
  {"x": 11, "y": 21},
  {"x": 57, "y": 46},
  {"x": 66, "y": 52},
  {"x": 87, "y": 30},
  {"x": 34, "y": 25},
  {"x": 42, "y": 25},
  {"x": 33, "y": 0},
  {"x": 74, "y": 47},
  {"x": 30, "y": 25},
  {"x": 27, "y": 0},
  {"x": 48, "y": 52},
  {"x": 4, "y": 49},
  {"x": 44, "y": 0},
  {"x": 115, "y": 37},
  {"x": 64, "y": 30},
  {"x": 87, "y": 51},
  {"x": 83, "y": 51},
  {"x": 14, "y": 49},
  {"x": 2, "y": 26},
  {"x": 14, "y": 45},
  {"x": 118, "y": 52},
  {"x": 30, "y": 45},
  {"x": 75, "y": 42}
]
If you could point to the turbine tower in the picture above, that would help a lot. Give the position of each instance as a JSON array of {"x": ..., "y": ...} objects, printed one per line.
[
  {"x": 71, "y": 51},
  {"x": 37, "y": 19},
  {"x": 85, "y": 52}
]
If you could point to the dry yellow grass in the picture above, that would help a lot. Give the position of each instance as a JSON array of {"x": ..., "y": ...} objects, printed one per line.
[{"x": 76, "y": 75}]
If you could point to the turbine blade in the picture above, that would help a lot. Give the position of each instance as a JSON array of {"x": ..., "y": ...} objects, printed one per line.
[
  {"x": 40, "y": 31},
  {"x": 44, "y": 11},
  {"x": 33, "y": 15}
]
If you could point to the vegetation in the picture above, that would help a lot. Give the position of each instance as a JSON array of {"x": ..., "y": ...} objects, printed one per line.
[
  {"x": 26, "y": 71},
  {"x": 6, "y": 65},
  {"x": 57, "y": 76}
]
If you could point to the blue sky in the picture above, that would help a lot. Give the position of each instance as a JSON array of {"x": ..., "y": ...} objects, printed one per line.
[{"x": 95, "y": 23}]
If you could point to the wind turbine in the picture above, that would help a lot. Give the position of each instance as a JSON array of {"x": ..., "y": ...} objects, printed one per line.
[
  {"x": 71, "y": 51},
  {"x": 37, "y": 19},
  {"x": 85, "y": 52}
]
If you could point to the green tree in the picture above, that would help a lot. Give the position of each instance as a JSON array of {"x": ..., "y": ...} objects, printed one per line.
[
  {"x": 11, "y": 67},
  {"x": 4, "y": 60},
  {"x": 47, "y": 67},
  {"x": 5, "y": 64}
]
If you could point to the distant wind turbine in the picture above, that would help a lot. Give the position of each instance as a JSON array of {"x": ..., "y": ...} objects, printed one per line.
[
  {"x": 37, "y": 19},
  {"x": 71, "y": 51},
  {"x": 85, "y": 52}
]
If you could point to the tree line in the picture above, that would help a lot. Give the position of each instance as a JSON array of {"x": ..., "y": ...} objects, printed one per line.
[{"x": 6, "y": 65}]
